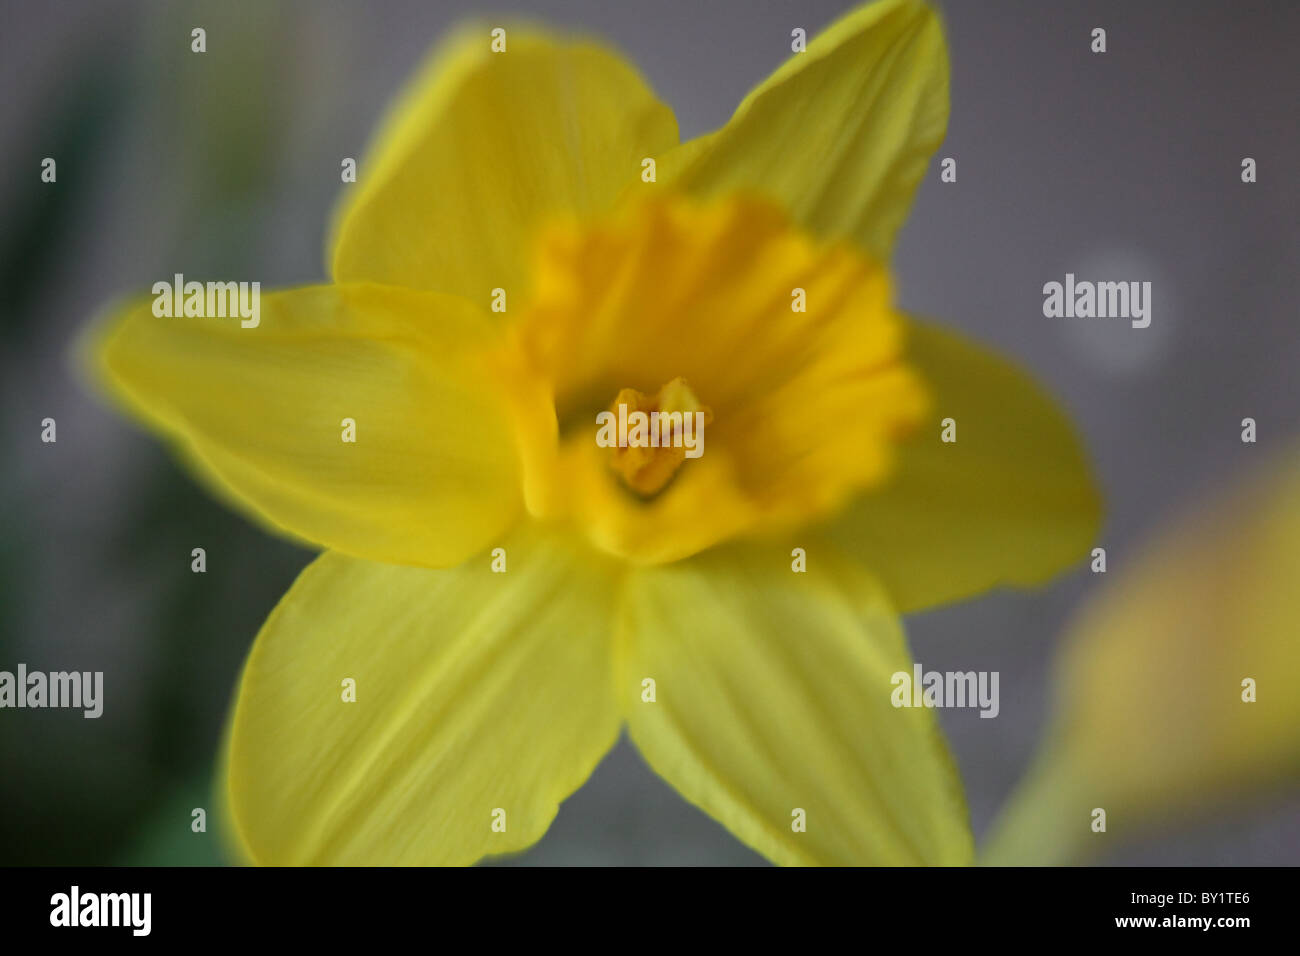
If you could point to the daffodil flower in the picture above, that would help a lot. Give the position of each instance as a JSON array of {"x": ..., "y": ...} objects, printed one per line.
[
  {"x": 1174, "y": 693},
  {"x": 502, "y": 594}
]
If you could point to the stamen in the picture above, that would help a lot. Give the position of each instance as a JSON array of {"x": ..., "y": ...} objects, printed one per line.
[{"x": 655, "y": 434}]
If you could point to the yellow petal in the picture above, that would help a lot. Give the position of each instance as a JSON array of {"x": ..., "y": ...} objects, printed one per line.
[
  {"x": 476, "y": 692},
  {"x": 432, "y": 475},
  {"x": 773, "y": 695},
  {"x": 840, "y": 133},
  {"x": 1150, "y": 722},
  {"x": 484, "y": 146},
  {"x": 1010, "y": 502}
]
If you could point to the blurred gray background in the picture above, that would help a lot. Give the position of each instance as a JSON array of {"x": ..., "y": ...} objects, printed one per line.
[{"x": 1123, "y": 165}]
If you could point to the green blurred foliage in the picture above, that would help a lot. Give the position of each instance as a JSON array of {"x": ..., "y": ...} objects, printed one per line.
[{"x": 121, "y": 789}]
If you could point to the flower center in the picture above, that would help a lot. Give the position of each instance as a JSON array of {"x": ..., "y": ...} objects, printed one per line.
[
  {"x": 792, "y": 340},
  {"x": 650, "y": 436}
]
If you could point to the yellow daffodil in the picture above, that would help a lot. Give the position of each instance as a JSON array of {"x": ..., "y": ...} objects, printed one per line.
[
  {"x": 1176, "y": 687},
  {"x": 530, "y": 246}
]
